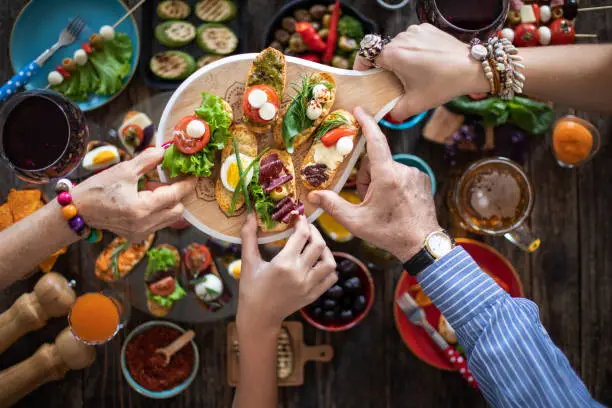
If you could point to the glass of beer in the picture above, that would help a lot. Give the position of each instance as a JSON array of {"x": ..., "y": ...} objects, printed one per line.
[
  {"x": 494, "y": 197},
  {"x": 95, "y": 318}
]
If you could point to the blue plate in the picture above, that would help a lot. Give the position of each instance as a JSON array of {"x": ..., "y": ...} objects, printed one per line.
[{"x": 38, "y": 26}]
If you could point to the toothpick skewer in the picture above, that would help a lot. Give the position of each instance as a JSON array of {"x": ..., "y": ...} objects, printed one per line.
[
  {"x": 595, "y": 8},
  {"x": 587, "y": 36},
  {"x": 133, "y": 9}
]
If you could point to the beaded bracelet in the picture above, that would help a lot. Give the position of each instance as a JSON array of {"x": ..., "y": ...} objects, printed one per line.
[
  {"x": 501, "y": 64},
  {"x": 63, "y": 188}
]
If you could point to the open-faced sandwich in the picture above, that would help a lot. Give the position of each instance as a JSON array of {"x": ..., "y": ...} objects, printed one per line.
[
  {"x": 163, "y": 288},
  {"x": 120, "y": 257},
  {"x": 264, "y": 89},
  {"x": 203, "y": 277},
  {"x": 310, "y": 105},
  {"x": 197, "y": 137},
  {"x": 334, "y": 141},
  {"x": 136, "y": 131},
  {"x": 229, "y": 176}
]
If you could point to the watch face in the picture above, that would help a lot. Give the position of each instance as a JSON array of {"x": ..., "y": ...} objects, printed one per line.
[{"x": 439, "y": 244}]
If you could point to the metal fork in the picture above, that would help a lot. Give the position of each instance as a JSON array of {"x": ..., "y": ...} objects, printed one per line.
[
  {"x": 416, "y": 315},
  {"x": 68, "y": 35}
]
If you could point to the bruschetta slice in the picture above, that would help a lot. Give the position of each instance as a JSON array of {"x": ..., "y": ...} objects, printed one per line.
[
  {"x": 334, "y": 142},
  {"x": 120, "y": 257},
  {"x": 161, "y": 279},
  {"x": 264, "y": 90},
  {"x": 310, "y": 105}
]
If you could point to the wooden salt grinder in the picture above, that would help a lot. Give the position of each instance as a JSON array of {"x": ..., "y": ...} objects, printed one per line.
[
  {"x": 50, "y": 363},
  {"x": 52, "y": 297}
]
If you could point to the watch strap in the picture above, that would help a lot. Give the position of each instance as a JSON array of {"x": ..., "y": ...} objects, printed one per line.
[{"x": 419, "y": 262}]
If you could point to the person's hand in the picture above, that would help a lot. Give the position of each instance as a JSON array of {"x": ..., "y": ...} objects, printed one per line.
[
  {"x": 270, "y": 291},
  {"x": 434, "y": 68},
  {"x": 110, "y": 200},
  {"x": 397, "y": 212}
]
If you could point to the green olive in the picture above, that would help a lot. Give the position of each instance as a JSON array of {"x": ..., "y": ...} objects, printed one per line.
[
  {"x": 514, "y": 17},
  {"x": 347, "y": 44},
  {"x": 326, "y": 20},
  {"x": 69, "y": 65},
  {"x": 97, "y": 41},
  {"x": 323, "y": 33},
  {"x": 340, "y": 62},
  {"x": 279, "y": 193},
  {"x": 296, "y": 43},
  {"x": 331, "y": 7}
]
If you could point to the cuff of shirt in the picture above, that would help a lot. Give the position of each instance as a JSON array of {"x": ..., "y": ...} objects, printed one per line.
[{"x": 459, "y": 288}]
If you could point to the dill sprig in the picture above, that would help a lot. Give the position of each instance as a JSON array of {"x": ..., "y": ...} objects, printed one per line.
[{"x": 327, "y": 126}]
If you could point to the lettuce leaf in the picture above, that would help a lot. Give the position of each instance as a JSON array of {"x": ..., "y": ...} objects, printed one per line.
[
  {"x": 264, "y": 206},
  {"x": 200, "y": 164},
  {"x": 168, "y": 301},
  {"x": 159, "y": 259},
  {"x": 120, "y": 48}
]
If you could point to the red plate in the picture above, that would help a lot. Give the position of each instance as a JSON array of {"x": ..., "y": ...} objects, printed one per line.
[{"x": 415, "y": 337}]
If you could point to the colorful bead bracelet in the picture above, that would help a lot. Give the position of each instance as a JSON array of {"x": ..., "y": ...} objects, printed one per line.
[{"x": 63, "y": 188}]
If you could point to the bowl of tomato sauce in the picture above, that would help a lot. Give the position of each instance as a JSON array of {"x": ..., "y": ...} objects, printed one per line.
[{"x": 145, "y": 371}]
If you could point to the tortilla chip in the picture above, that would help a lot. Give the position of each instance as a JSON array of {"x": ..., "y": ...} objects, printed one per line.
[
  {"x": 24, "y": 202},
  {"x": 49, "y": 263},
  {"x": 6, "y": 217}
]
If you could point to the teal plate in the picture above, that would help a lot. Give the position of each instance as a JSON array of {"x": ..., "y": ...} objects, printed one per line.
[{"x": 38, "y": 26}]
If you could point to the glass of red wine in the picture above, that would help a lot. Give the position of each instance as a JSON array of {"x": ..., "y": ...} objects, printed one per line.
[
  {"x": 43, "y": 135},
  {"x": 465, "y": 19}
]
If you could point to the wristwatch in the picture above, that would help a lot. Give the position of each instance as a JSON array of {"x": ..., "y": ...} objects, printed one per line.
[{"x": 437, "y": 244}]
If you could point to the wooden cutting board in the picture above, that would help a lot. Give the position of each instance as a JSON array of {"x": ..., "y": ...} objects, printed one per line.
[
  {"x": 301, "y": 354},
  {"x": 376, "y": 91}
]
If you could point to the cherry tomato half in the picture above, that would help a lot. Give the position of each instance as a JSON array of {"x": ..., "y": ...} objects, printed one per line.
[
  {"x": 330, "y": 138},
  {"x": 186, "y": 144},
  {"x": 197, "y": 258},
  {"x": 253, "y": 113},
  {"x": 562, "y": 32},
  {"x": 164, "y": 287}
]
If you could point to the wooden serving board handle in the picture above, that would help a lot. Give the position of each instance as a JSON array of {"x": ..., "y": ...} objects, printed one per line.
[
  {"x": 52, "y": 297},
  {"x": 49, "y": 363},
  {"x": 323, "y": 353}
]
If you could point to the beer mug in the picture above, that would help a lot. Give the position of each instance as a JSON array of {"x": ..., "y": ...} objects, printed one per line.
[{"x": 494, "y": 197}]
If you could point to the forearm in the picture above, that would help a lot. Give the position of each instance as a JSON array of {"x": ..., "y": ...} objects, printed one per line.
[
  {"x": 30, "y": 241},
  {"x": 508, "y": 350},
  {"x": 257, "y": 379}
]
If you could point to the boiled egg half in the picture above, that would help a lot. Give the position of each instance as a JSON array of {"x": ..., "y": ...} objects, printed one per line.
[
  {"x": 101, "y": 158},
  {"x": 235, "y": 268},
  {"x": 230, "y": 176}
]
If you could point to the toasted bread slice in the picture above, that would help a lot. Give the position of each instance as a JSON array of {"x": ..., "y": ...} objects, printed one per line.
[
  {"x": 155, "y": 308},
  {"x": 291, "y": 187},
  {"x": 127, "y": 260},
  {"x": 306, "y": 133},
  {"x": 268, "y": 53},
  {"x": 331, "y": 170},
  {"x": 247, "y": 145}
]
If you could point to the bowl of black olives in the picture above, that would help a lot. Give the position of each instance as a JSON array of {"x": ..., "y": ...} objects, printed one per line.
[{"x": 347, "y": 302}]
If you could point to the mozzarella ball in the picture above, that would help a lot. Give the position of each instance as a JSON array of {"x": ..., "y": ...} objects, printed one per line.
[
  {"x": 344, "y": 145},
  {"x": 267, "y": 111},
  {"x": 107, "y": 32},
  {"x": 196, "y": 129},
  {"x": 508, "y": 33},
  {"x": 320, "y": 91},
  {"x": 314, "y": 110},
  {"x": 210, "y": 288},
  {"x": 55, "y": 78},
  {"x": 257, "y": 98},
  {"x": 545, "y": 14},
  {"x": 545, "y": 35},
  {"x": 80, "y": 57}
]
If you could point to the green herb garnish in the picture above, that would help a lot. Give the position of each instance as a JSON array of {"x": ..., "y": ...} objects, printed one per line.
[
  {"x": 237, "y": 191},
  {"x": 241, "y": 174},
  {"x": 264, "y": 206},
  {"x": 327, "y": 126},
  {"x": 114, "y": 258}
]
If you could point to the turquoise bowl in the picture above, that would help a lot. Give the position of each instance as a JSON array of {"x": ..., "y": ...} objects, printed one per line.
[
  {"x": 416, "y": 162},
  {"x": 411, "y": 122},
  {"x": 158, "y": 394}
]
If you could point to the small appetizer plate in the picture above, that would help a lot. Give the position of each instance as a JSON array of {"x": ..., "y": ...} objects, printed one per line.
[
  {"x": 415, "y": 338},
  {"x": 416, "y": 162},
  {"x": 158, "y": 394},
  {"x": 376, "y": 91},
  {"x": 409, "y": 123},
  {"x": 36, "y": 28}
]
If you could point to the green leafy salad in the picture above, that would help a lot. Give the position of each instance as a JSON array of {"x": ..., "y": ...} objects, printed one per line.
[
  {"x": 162, "y": 259},
  {"x": 200, "y": 164},
  {"x": 103, "y": 73}
]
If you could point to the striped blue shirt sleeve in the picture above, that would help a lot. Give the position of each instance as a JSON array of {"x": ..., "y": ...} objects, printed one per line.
[{"x": 508, "y": 350}]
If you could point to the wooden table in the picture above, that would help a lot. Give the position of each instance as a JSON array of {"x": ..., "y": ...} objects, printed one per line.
[{"x": 570, "y": 278}]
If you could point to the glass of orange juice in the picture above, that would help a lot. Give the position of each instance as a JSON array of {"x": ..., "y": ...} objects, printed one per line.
[
  {"x": 574, "y": 141},
  {"x": 96, "y": 317}
]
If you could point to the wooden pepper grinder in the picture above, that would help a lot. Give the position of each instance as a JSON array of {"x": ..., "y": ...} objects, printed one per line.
[
  {"x": 50, "y": 363},
  {"x": 52, "y": 297}
]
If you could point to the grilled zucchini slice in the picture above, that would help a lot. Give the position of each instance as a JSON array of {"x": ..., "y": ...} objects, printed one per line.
[
  {"x": 215, "y": 11},
  {"x": 173, "y": 10},
  {"x": 216, "y": 39},
  {"x": 172, "y": 65},
  {"x": 175, "y": 33}
]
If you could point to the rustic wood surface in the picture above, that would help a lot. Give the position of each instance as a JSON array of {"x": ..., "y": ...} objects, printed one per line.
[{"x": 569, "y": 277}]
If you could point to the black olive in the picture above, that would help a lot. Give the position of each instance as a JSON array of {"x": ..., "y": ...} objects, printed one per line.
[
  {"x": 372, "y": 267},
  {"x": 347, "y": 267},
  {"x": 282, "y": 36},
  {"x": 346, "y": 315},
  {"x": 359, "y": 304},
  {"x": 289, "y": 24},
  {"x": 329, "y": 304},
  {"x": 347, "y": 302},
  {"x": 352, "y": 285},
  {"x": 317, "y": 312},
  {"x": 302, "y": 15},
  {"x": 570, "y": 9},
  {"x": 329, "y": 316},
  {"x": 318, "y": 11},
  {"x": 335, "y": 292}
]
